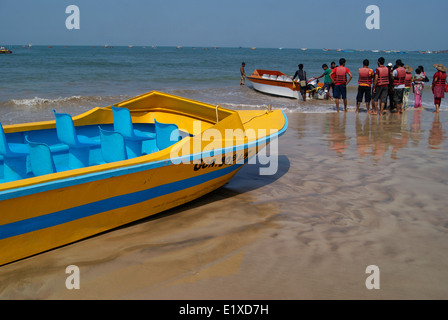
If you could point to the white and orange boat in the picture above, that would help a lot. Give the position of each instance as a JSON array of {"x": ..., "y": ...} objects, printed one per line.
[{"x": 279, "y": 84}]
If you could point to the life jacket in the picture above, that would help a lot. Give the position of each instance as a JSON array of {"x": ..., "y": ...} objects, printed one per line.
[
  {"x": 340, "y": 75},
  {"x": 408, "y": 80},
  {"x": 441, "y": 79},
  {"x": 364, "y": 77},
  {"x": 383, "y": 76},
  {"x": 401, "y": 77}
]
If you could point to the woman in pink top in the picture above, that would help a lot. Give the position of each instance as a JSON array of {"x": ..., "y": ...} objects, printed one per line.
[{"x": 439, "y": 85}]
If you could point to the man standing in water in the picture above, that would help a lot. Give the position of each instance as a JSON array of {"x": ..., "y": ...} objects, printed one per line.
[
  {"x": 243, "y": 74},
  {"x": 340, "y": 81},
  {"x": 399, "y": 84},
  {"x": 301, "y": 75},
  {"x": 365, "y": 86},
  {"x": 380, "y": 86}
]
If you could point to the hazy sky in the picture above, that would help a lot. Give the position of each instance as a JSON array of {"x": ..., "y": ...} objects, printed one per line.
[{"x": 404, "y": 24}]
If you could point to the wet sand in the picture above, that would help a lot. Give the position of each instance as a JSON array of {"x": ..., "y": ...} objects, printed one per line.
[{"x": 351, "y": 191}]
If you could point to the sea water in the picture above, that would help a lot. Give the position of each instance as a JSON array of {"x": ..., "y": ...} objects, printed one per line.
[{"x": 77, "y": 78}]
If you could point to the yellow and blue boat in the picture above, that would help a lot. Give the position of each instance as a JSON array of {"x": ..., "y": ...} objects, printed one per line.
[{"x": 74, "y": 177}]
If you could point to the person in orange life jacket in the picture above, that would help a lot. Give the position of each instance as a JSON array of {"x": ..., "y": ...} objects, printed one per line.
[
  {"x": 365, "y": 86},
  {"x": 380, "y": 86},
  {"x": 301, "y": 75},
  {"x": 439, "y": 85},
  {"x": 399, "y": 80},
  {"x": 407, "y": 86},
  {"x": 340, "y": 83}
]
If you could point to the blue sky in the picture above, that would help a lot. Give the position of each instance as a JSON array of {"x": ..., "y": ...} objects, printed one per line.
[{"x": 404, "y": 24}]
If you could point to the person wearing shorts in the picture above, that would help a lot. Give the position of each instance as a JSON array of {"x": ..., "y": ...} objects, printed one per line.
[
  {"x": 364, "y": 86},
  {"x": 399, "y": 75},
  {"x": 341, "y": 82},
  {"x": 380, "y": 87}
]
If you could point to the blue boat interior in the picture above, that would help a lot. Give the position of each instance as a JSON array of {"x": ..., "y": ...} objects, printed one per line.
[{"x": 39, "y": 152}]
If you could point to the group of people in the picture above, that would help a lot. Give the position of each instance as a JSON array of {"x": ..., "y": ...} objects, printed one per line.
[{"x": 393, "y": 82}]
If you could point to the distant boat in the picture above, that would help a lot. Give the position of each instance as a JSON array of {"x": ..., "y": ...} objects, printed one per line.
[
  {"x": 326, "y": 49},
  {"x": 279, "y": 84},
  {"x": 4, "y": 50},
  {"x": 375, "y": 50},
  {"x": 179, "y": 47},
  {"x": 253, "y": 48},
  {"x": 304, "y": 49},
  {"x": 131, "y": 46}
]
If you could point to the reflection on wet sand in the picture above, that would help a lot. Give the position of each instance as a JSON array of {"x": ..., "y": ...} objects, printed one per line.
[
  {"x": 377, "y": 136},
  {"x": 436, "y": 133}
]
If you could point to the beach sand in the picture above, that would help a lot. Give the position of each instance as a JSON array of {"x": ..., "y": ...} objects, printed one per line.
[{"x": 350, "y": 191}]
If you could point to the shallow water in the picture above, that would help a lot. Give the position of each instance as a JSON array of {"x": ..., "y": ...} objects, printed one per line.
[{"x": 351, "y": 191}]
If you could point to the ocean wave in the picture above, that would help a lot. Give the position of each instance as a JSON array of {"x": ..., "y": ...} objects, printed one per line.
[{"x": 99, "y": 101}]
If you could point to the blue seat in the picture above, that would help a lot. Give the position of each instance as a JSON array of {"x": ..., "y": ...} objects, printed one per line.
[
  {"x": 11, "y": 150},
  {"x": 134, "y": 138},
  {"x": 66, "y": 132},
  {"x": 41, "y": 158},
  {"x": 113, "y": 147},
  {"x": 14, "y": 158},
  {"x": 79, "y": 145},
  {"x": 166, "y": 134},
  {"x": 123, "y": 124}
]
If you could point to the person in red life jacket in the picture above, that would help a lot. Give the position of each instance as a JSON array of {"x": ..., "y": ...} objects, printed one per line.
[
  {"x": 364, "y": 86},
  {"x": 439, "y": 85},
  {"x": 380, "y": 86},
  {"x": 340, "y": 83},
  {"x": 407, "y": 86},
  {"x": 399, "y": 81}
]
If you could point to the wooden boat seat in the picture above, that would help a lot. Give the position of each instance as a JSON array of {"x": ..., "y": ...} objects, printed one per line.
[{"x": 41, "y": 160}]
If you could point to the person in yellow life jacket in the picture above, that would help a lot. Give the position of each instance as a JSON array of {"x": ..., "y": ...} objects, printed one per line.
[
  {"x": 380, "y": 86},
  {"x": 399, "y": 75},
  {"x": 364, "y": 86},
  {"x": 407, "y": 86},
  {"x": 341, "y": 82}
]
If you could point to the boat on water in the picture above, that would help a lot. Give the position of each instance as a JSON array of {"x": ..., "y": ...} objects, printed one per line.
[
  {"x": 4, "y": 50},
  {"x": 73, "y": 177},
  {"x": 279, "y": 84}
]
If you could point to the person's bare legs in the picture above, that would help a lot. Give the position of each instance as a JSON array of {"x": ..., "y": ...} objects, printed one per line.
[
  {"x": 345, "y": 105},
  {"x": 337, "y": 104}
]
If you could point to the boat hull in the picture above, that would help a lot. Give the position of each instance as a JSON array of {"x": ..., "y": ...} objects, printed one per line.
[
  {"x": 276, "y": 90},
  {"x": 76, "y": 209}
]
